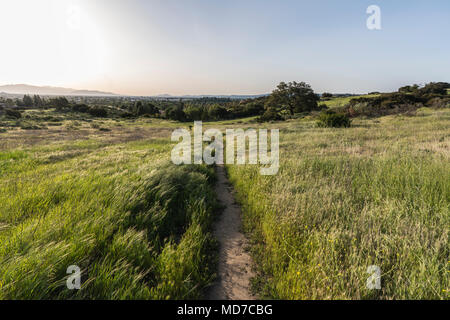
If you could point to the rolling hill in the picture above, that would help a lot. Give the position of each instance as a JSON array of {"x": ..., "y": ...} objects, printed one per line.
[{"x": 47, "y": 90}]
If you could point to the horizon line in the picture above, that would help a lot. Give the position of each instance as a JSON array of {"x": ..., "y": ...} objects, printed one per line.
[{"x": 160, "y": 95}]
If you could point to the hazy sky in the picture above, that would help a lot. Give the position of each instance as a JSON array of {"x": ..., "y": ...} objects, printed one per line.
[{"x": 222, "y": 46}]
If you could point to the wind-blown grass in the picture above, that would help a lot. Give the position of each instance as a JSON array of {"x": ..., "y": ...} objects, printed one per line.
[
  {"x": 346, "y": 199},
  {"x": 137, "y": 226}
]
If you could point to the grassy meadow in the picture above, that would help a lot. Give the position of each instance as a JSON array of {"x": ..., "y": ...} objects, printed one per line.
[
  {"x": 377, "y": 193},
  {"x": 104, "y": 196}
]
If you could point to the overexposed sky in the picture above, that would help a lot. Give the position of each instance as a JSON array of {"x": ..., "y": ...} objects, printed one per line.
[{"x": 222, "y": 47}]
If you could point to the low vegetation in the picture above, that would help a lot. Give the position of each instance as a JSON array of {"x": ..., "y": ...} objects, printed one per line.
[
  {"x": 332, "y": 119},
  {"x": 363, "y": 180},
  {"x": 408, "y": 100},
  {"x": 377, "y": 193},
  {"x": 138, "y": 227}
]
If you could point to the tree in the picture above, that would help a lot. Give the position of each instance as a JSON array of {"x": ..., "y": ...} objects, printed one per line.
[
  {"x": 37, "y": 101},
  {"x": 269, "y": 114},
  {"x": 327, "y": 95},
  {"x": 137, "y": 107},
  {"x": 60, "y": 103},
  {"x": 409, "y": 89},
  {"x": 98, "y": 112},
  {"x": 80, "y": 108},
  {"x": 152, "y": 109},
  {"x": 293, "y": 97},
  {"x": 193, "y": 113},
  {"x": 27, "y": 101},
  {"x": 141, "y": 109},
  {"x": 9, "y": 102},
  {"x": 435, "y": 88},
  {"x": 176, "y": 113},
  {"x": 216, "y": 112}
]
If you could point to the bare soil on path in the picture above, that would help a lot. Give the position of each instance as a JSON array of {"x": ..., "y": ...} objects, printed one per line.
[{"x": 235, "y": 264}]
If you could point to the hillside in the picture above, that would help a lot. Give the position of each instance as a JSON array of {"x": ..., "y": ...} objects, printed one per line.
[{"x": 47, "y": 90}]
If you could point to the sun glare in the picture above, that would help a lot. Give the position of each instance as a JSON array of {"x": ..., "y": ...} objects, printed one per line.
[{"x": 50, "y": 43}]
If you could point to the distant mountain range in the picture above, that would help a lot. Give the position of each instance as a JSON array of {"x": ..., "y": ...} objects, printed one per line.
[
  {"x": 47, "y": 90},
  {"x": 20, "y": 89}
]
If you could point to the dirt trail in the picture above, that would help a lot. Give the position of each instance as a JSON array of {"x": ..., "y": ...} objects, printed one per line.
[{"x": 234, "y": 272}]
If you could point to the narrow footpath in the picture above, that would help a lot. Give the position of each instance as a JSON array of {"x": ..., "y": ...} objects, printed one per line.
[{"x": 235, "y": 264}]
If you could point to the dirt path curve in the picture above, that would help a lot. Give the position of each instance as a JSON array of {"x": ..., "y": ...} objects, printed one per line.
[{"x": 234, "y": 272}]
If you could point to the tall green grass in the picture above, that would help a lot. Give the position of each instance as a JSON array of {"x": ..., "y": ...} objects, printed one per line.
[
  {"x": 138, "y": 227},
  {"x": 346, "y": 199}
]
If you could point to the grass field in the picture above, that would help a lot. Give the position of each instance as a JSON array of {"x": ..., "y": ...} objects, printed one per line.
[
  {"x": 374, "y": 194},
  {"x": 102, "y": 194},
  {"x": 109, "y": 202}
]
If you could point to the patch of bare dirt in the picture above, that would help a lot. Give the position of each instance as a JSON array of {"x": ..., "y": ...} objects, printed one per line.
[{"x": 235, "y": 264}]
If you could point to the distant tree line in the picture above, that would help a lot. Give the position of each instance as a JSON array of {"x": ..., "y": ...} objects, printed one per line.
[{"x": 288, "y": 100}]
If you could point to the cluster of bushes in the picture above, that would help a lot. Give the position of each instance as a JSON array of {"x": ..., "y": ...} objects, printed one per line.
[
  {"x": 407, "y": 99},
  {"x": 332, "y": 119},
  {"x": 200, "y": 110},
  {"x": 95, "y": 111},
  {"x": 144, "y": 109},
  {"x": 59, "y": 103},
  {"x": 384, "y": 104},
  {"x": 194, "y": 113},
  {"x": 247, "y": 108},
  {"x": 30, "y": 126},
  {"x": 11, "y": 113},
  {"x": 98, "y": 112},
  {"x": 326, "y": 96}
]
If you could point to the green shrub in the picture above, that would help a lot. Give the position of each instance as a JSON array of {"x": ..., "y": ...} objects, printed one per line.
[
  {"x": 331, "y": 119},
  {"x": 29, "y": 126},
  {"x": 438, "y": 103},
  {"x": 80, "y": 108},
  {"x": 98, "y": 112},
  {"x": 270, "y": 115},
  {"x": 127, "y": 115},
  {"x": 13, "y": 113},
  {"x": 384, "y": 104}
]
